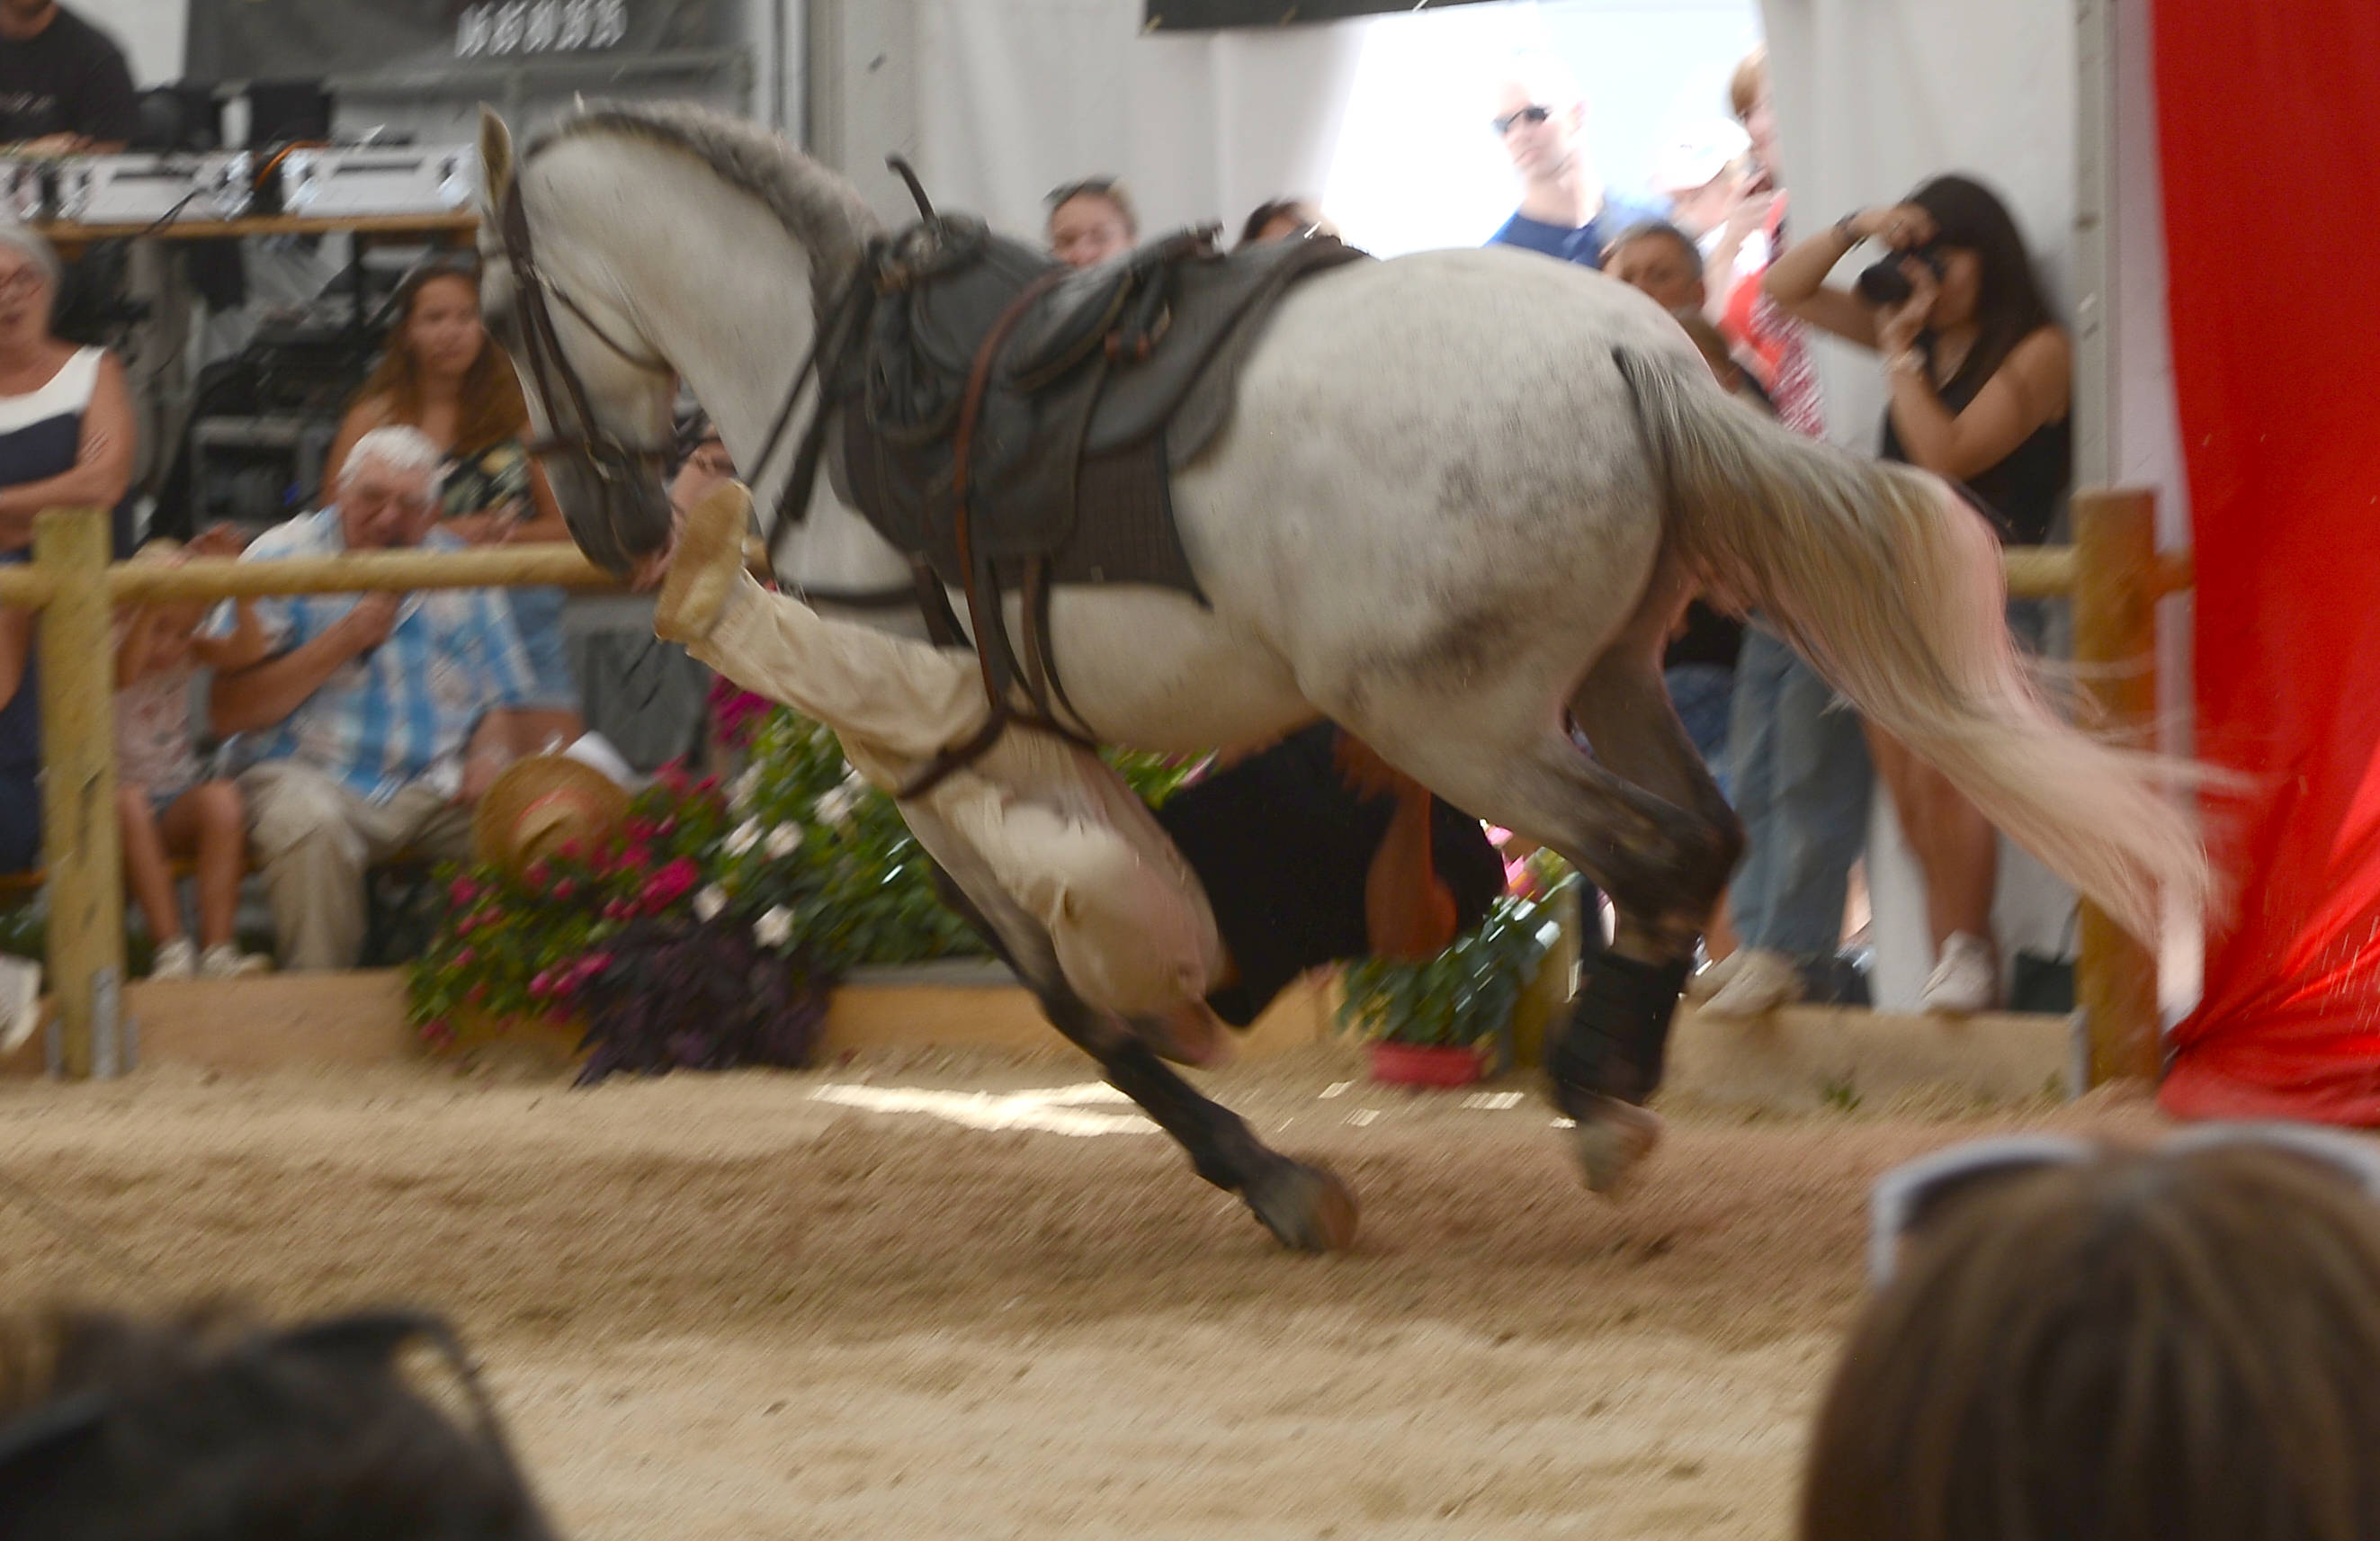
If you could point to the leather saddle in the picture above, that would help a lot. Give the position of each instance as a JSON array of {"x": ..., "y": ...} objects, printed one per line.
[{"x": 1012, "y": 424}]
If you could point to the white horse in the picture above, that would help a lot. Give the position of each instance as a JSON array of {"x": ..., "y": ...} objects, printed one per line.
[{"x": 1461, "y": 498}]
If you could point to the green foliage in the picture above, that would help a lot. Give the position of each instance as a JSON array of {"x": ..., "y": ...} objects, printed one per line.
[{"x": 1466, "y": 994}]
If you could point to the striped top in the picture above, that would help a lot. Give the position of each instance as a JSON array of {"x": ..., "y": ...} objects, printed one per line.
[{"x": 403, "y": 711}]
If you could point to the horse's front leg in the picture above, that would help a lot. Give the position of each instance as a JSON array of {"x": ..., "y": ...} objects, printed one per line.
[{"x": 1306, "y": 1207}]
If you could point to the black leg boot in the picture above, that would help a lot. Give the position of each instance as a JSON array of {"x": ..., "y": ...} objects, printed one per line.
[{"x": 1610, "y": 1061}]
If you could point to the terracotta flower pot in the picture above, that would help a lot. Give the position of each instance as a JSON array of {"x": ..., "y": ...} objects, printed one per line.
[{"x": 1427, "y": 1064}]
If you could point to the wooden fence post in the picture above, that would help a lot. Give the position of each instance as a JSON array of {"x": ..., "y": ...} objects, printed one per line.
[
  {"x": 2115, "y": 591},
  {"x": 79, "y": 846}
]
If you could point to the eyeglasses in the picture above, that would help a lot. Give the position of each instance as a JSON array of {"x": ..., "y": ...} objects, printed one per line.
[
  {"x": 1534, "y": 113},
  {"x": 23, "y": 282},
  {"x": 1910, "y": 1198},
  {"x": 368, "y": 496}
]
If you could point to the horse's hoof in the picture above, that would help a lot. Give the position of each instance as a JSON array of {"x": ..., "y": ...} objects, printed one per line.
[
  {"x": 1306, "y": 1208},
  {"x": 1611, "y": 1138}
]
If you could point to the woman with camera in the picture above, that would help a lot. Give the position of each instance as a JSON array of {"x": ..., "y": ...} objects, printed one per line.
[{"x": 1979, "y": 375}]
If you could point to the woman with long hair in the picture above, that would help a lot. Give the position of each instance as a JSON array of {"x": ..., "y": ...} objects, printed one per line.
[
  {"x": 440, "y": 373},
  {"x": 1980, "y": 375}
]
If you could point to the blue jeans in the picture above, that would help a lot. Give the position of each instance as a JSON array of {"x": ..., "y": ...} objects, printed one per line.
[
  {"x": 1702, "y": 693},
  {"x": 1802, "y": 780}
]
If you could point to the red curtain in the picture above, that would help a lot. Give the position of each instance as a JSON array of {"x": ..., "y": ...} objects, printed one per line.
[{"x": 2269, "y": 118}]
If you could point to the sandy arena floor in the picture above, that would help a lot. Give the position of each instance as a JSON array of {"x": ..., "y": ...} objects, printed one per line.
[{"x": 726, "y": 1308}]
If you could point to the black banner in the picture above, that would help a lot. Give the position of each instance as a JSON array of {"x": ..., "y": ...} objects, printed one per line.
[
  {"x": 1189, "y": 16},
  {"x": 305, "y": 39}
]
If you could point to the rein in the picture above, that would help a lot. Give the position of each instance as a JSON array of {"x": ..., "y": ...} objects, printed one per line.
[{"x": 606, "y": 455}]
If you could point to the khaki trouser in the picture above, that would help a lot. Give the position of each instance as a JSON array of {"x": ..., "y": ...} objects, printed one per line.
[
  {"x": 1057, "y": 831},
  {"x": 312, "y": 838}
]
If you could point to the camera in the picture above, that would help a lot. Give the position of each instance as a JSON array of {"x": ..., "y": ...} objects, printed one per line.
[{"x": 1884, "y": 284}]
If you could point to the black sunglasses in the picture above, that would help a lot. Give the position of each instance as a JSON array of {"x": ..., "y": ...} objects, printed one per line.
[{"x": 1535, "y": 111}]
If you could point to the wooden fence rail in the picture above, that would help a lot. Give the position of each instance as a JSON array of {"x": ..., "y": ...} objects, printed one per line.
[{"x": 2113, "y": 573}]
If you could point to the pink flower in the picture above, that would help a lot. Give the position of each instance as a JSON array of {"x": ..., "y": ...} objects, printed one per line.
[
  {"x": 478, "y": 996},
  {"x": 670, "y": 883},
  {"x": 541, "y": 986},
  {"x": 635, "y": 858},
  {"x": 565, "y": 889},
  {"x": 464, "y": 959},
  {"x": 539, "y": 873},
  {"x": 463, "y": 892},
  {"x": 437, "y": 1033},
  {"x": 590, "y": 966}
]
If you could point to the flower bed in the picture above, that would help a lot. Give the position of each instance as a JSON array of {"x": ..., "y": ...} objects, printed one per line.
[{"x": 708, "y": 931}]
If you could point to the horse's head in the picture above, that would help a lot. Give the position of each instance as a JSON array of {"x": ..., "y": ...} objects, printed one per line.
[{"x": 600, "y": 395}]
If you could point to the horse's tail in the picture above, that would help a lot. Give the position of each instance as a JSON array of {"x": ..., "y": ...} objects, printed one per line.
[{"x": 1891, "y": 585}]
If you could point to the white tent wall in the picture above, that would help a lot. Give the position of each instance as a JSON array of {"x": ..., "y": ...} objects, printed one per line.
[{"x": 998, "y": 101}]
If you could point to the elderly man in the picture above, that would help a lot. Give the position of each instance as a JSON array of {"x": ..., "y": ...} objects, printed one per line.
[{"x": 378, "y": 719}]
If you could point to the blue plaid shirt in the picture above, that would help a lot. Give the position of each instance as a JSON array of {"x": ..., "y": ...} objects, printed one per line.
[{"x": 403, "y": 711}]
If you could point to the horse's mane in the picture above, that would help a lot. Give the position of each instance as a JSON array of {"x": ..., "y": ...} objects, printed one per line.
[{"x": 818, "y": 208}]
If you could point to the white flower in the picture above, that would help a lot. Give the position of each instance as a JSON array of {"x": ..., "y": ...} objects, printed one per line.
[
  {"x": 710, "y": 902},
  {"x": 743, "y": 837},
  {"x": 773, "y": 928},
  {"x": 782, "y": 841},
  {"x": 744, "y": 787},
  {"x": 834, "y": 806}
]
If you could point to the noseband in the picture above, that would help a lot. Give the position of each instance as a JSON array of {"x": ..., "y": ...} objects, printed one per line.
[{"x": 613, "y": 461}]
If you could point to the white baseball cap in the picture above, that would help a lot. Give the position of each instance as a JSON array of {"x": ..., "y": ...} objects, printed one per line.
[{"x": 1695, "y": 156}]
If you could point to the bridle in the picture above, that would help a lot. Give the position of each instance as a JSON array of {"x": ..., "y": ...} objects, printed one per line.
[{"x": 615, "y": 463}]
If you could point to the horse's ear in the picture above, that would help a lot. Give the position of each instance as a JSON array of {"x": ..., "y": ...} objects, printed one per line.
[{"x": 495, "y": 155}]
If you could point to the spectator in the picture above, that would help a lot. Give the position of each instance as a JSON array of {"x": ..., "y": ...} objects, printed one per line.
[
  {"x": 381, "y": 717},
  {"x": 1979, "y": 374},
  {"x": 1091, "y": 221},
  {"x": 64, "y": 86},
  {"x": 1282, "y": 218},
  {"x": 207, "y": 1428},
  {"x": 65, "y": 439},
  {"x": 440, "y": 373},
  {"x": 1802, "y": 776},
  {"x": 66, "y": 416},
  {"x": 2174, "y": 1347},
  {"x": 1699, "y": 664},
  {"x": 166, "y": 804},
  {"x": 1565, "y": 211},
  {"x": 1702, "y": 174},
  {"x": 21, "y": 746}
]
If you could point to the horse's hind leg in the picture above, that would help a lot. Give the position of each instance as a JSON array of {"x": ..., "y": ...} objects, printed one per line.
[
  {"x": 1306, "y": 1207},
  {"x": 1640, "y": 816},
  {"x": 1611, "y": 1058}
]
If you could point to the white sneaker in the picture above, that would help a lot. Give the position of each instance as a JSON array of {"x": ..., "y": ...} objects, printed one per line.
[
  {"x": 226, "y": 961},
  {"x": 20, "y": 1002},
  {"x": 1762, "y": 982},
  {"x": 176, "y": 960},
  {"x": 1966, "y": 978},
  {"x": 1712, "y": 977}
]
